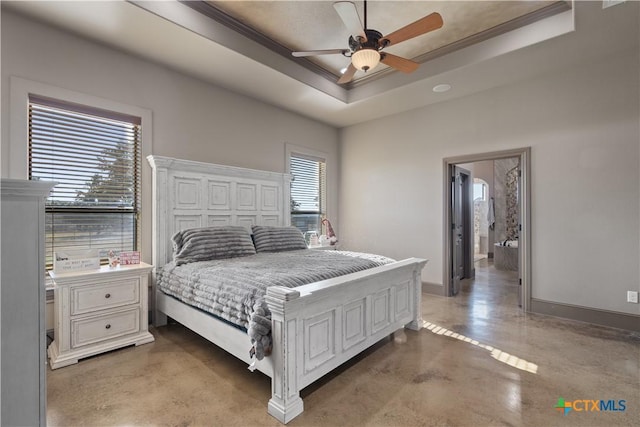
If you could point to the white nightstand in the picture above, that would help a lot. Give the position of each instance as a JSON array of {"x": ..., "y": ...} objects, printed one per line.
[{"x": 99, "y": 310}]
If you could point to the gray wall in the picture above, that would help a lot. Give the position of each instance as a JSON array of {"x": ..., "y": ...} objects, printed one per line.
[
  {"x": 191, "y": 119},
  {"x": 582, "y": 124}
]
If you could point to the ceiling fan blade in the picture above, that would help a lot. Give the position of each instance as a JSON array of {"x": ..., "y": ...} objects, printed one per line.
[
  {"x": 319, "y": 52},
  {"x": 348, "y": 75},
  {"x": 399, "y": 63},
  {"x": 421, "y": 26},
  {"x": 349, "y": 15}
]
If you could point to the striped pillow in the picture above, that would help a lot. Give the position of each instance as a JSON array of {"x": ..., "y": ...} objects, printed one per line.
[
  {"x": 208, "y": 243},
  {"x": 277, "y": 239}
]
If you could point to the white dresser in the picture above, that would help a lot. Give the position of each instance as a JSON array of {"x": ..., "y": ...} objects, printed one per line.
[
  {"x": 99, "y": 310},
  {"x": 23, "y": 354}
]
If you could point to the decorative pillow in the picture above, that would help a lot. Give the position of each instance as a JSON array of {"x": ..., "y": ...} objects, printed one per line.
[
  {"x": 208, "y": 243},
  {"x": 277, "y": 239}
]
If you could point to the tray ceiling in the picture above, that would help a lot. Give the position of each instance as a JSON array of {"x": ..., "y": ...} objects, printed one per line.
[
  {"x": 227, "y": 52},
  {"x": 312, "y": 25}
]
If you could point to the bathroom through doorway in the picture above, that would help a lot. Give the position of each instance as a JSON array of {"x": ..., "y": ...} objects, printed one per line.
[{"x": 494, "y": 209}]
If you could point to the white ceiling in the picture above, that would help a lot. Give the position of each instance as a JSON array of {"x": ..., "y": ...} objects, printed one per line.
[{"x": 177, "y": 36}]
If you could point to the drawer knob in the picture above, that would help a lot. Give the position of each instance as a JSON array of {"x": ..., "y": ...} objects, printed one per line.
[
  {"x": 108, "y": 326},
  {"x": 107, "y": 296}
]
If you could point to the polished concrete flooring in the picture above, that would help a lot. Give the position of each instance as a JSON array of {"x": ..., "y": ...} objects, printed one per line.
[{"x": 479, "y": 362}]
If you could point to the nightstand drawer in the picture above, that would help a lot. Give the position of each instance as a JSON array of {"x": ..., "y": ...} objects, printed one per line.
[
  {"x": 99, "y": 328},
  {"x": 85, "y": 299}
]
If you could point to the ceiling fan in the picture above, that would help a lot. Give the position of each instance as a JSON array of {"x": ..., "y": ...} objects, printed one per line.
[{"x": 366, "y": 45}]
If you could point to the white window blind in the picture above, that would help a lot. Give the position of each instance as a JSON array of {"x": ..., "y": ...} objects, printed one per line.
[
  {"x": 308, "y": 192},
  {"x": 94, "y": 156}
]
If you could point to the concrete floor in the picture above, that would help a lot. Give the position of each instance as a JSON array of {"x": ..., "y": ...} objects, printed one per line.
[{"x": 480, "y": 362}]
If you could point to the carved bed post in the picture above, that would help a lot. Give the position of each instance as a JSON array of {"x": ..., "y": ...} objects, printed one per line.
[
  {"x": 285, "y": 403},
  {"x": 416, "y": 323},
  {"x": 158, "y": 248}
]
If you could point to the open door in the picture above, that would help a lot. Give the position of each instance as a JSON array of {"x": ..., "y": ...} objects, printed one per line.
[
  {"x": 461, "y": 229},
  {"x": 457, "y": 230}
]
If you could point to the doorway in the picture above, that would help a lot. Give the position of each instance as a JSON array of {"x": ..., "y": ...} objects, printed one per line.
[{"x": 456, "y": 251}]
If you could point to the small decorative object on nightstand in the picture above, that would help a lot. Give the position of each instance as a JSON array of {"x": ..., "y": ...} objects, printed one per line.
[
  {"x": 331, "y": 235},
  {"x": 99, "y": 310}
]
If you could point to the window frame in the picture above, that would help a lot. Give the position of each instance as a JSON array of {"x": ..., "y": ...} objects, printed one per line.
[
  {"x": 485, "y": 189},
  {"x": 311, "y": 154},
  {"x": 66, "y": 130},
  {"x": 18, "y": 164}
]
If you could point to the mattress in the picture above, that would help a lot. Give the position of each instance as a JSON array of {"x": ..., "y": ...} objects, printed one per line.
[{"x": 234, "y": 289}]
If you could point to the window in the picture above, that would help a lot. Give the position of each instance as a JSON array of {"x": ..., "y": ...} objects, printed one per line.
[
  {"x": 308, "y": 192},
  {"x": 479, "y": 189},
  {"x": 94, "y": 156}
]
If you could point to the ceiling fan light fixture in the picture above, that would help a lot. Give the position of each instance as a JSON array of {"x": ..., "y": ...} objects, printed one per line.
[
  {"x": 365, "y": 59},
  {"x": 365, "y": 43}
]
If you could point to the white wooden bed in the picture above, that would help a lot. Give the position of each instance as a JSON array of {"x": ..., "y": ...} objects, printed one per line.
[{"x": 316, "y": 327}]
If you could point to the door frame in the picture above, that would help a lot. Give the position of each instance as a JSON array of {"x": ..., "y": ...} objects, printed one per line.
[{"x": 524, "y": 155}]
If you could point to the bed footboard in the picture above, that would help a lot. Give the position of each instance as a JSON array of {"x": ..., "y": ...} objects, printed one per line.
[{"x": 319, "y": 326}]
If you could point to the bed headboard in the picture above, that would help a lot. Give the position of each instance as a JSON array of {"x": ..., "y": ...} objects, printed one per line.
[{"x": 189, "y": 194}]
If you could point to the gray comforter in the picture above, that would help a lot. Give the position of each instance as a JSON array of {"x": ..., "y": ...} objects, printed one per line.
[{"x": 234, "y": 289}]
